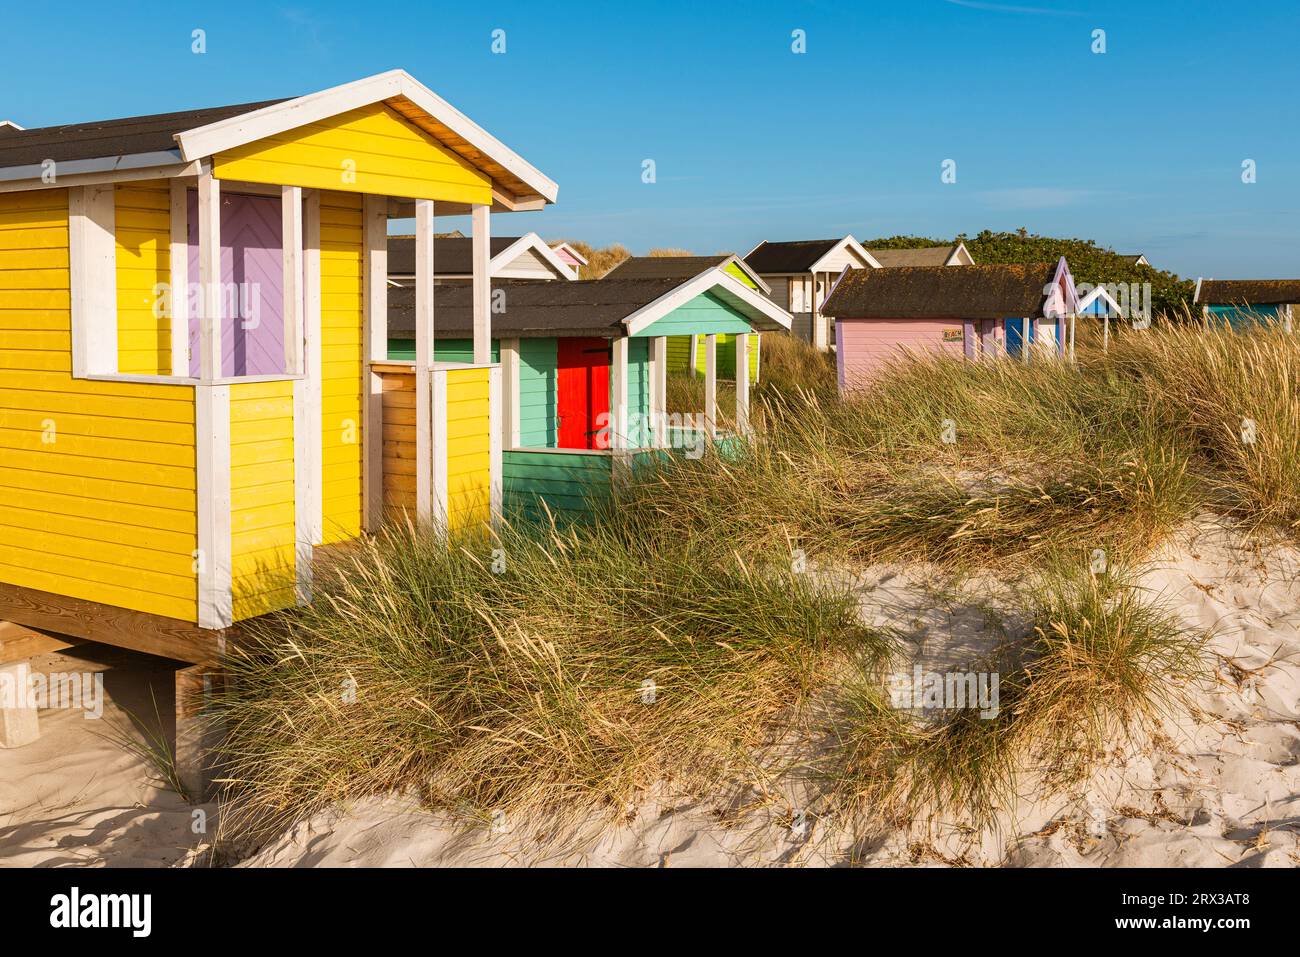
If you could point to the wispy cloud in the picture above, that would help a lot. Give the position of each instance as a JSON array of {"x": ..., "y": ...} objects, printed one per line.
[{"x": 1010, "y": 8}]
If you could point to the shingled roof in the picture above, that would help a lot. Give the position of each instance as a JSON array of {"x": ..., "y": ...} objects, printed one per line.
[
  {"x": 101, "y": 139},
  {"x": 682, "y": 267},
  {"x": 769, "y": 259},
  {"x": 666, "y": 267},
  {"x": 923, "y": 256},
  {"x": 452, "y": 255},
  {"x": 588, "y": 307},
  {"x": 923, "y": 292},
  {"x": 1264, "y": 292}
]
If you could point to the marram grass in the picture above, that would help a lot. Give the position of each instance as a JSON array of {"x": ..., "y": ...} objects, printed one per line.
[{"x": 561, "y": 672}]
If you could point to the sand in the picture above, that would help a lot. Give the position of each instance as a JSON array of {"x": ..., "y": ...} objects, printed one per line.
[{"x": 1215, "y": 788}]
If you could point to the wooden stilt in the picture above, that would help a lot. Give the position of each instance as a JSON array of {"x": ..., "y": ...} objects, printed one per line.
[{"x": 197, "y": 731}]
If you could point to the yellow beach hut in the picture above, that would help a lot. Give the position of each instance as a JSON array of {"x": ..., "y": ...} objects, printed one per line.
[{"x": 193, "y": 354}]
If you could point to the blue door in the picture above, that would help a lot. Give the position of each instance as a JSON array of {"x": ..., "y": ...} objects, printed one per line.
[{"x": 1014, "y": 332}]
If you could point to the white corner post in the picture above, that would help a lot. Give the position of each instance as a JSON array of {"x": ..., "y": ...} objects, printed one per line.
[
  {"x": 315, "y": 418},
  {"x": 295, "y": 359},
  {"x": 482, "y": 254},
  {"x": 618, "y": 425},
  {"x": 179, "y": 257},
  {"x": 742, "y": 385},
  {"x": 711, "y": 386},
  {"x": 1073, "y": 319},
  {"x": 424, "y": 399},
  {"x": 209, "y": 275},
  {"x": 375, "y": 346},
  {"x": 510, "y": 393},
  {"x": 496, "y": 400},
  {"x": 212, "y": 423},
  {"x": 1025, "y": 326},
  {"x": 659, "y": 390},
  {"x": 92, "y": 259},
  {"x": 1105, "y": 331},
  {"x": 819, "y": 336},
  {"x": 293, "y": 277}
]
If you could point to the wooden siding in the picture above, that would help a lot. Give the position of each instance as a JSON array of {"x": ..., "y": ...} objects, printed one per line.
[
  {"x": 566, "y": 483},
  {"x": 444, "y": 350},
  {"x": 262, "y": 510},
  {"x": 143, "y": 221},
  {"x": 399, "y": 441},
  {"x": 538, "y": 393},
  {"x": 367, "y": 150},
  {"x": 640, "y": 432},
  {"x": 341, "y": 364},
  {"x": 864, "y": 345},
  {"x": 706, "y": 313},
  {"x": 97, "y": 479},
  {"x": 469, "y": 458}
]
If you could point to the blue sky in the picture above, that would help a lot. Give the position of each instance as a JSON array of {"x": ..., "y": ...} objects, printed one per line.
[{"x": 1140, "y": 148}]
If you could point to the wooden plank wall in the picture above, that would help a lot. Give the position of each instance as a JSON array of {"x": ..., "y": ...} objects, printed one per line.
[
  {"x": 342, "y": 421},
  {"x": 262, "y": 511},
  {"x": 97, "y": 479},
  {"x": 143, "y": 218},
  {"x": 469, "y": 459},
  {"x": 399, "y": 441}
]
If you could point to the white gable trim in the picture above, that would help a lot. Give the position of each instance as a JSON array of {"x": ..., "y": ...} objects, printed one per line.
[
  {"x": 958, "y": 252},
  {"x": 570, "y": 251},
  {"x": 1071, "y": 304},
  {"x": 11, "y": 125},
  {"x": 1100, "y": 293},
  {"x": 853, "y": 246},
  {"x": 744, "y": 267},
  {"x": 280, "y": 117},
  {"x": 534, "y": 242},
  {"x": 751, "y": 302}
]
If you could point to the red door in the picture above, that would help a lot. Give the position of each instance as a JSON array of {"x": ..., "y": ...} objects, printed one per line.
[{"x": 583, "y": 382}]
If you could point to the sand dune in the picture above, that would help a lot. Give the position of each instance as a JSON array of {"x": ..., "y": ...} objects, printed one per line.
[{"x": 1218, "y": 788}]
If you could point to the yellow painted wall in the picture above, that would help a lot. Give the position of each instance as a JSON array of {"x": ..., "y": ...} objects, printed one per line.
[
  {"x": 342, "y": 316},
  {"x": 143, "y": 221},
  {"x": 262, "y": 511},
  {"x": 97, "y": 479},
  {"x": 469, "y": 454},
  {"x": 367, "y": 150}
]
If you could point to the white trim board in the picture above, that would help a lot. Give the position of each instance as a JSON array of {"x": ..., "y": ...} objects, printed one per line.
[
  {"x": 757, "y": 307},
  {"x": 280, "y": 117}
]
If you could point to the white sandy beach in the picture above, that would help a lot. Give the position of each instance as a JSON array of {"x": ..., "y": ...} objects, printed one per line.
[{"x": 1216, "y": 789}]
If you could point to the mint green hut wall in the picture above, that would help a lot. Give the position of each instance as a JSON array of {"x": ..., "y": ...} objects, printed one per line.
[{"x": 444, "y": 350}]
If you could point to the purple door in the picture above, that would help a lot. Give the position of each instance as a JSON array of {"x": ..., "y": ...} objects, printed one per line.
[{"x": 252, "y": 280}]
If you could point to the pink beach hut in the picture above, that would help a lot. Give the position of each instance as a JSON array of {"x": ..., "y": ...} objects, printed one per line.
[{"x": 975, "y": 311}]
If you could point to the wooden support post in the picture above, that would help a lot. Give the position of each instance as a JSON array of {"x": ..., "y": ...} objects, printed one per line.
[
  {"x": 742, "y": 385},
  {"x": 510, "y": 393},
  {"x": 210, "y": 293},
  {"x": 618, "y": 424},
  {"x": 19, "y": 721},
  {"x": 711, "y": 386},
  {"x": 1073, "y": 354},
  {"x": 313, "y": 363},
  {"x": 179, "y": 259},
  {"x": 375, "y": 339},
  {"x": 212, "y": 423},
  {"x": 197, "y": 730},
  {"x": 659, "y": 392},
  {"x": 424, "y": 351},
  {"x": 482, "y": 279},
  {"x": 292, "y": 283},
  {"x": 1025, "y": 327},
  {"x": 1105, "y": 332}
]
